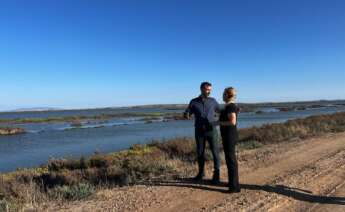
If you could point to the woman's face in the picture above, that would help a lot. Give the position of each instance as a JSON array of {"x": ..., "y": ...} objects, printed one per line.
[{"x": 225, "y": 97}]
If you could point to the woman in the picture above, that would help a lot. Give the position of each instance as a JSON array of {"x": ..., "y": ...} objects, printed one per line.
[{"x": 228, "y": 129}]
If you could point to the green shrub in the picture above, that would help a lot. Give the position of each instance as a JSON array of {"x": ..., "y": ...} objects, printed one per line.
[
  {"x": 3, "y": 205},
  {"x": 74, "y": 192},
  {"x": 6, "y": 206},
  {"x": 250, "y": 145},
  {"x": 59, "y": 164}
]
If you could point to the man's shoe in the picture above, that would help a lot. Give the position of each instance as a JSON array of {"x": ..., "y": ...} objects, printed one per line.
[{"x": 198, "y": 177}]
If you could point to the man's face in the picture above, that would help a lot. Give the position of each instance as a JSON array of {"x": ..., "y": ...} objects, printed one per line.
[{"x": 206, "y": 91}]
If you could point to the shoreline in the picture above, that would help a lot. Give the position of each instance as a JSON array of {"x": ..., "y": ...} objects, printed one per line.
[
  {"x": 143, "y": 116},
  {"x": 183, "y": 106},
  {"x": 149, "y": 117},
  {"x": 254, "y": 134},
  {"x": 73, "y": 179}
]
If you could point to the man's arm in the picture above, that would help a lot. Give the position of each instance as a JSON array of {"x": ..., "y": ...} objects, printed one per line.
[{"x": 188, "y": 112}]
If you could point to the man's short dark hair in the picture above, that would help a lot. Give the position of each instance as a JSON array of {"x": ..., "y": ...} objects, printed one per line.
[{"x": 204, "y": 84}]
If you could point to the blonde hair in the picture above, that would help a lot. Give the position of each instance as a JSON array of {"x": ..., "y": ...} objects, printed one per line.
[{"x": 230, "y": 93}]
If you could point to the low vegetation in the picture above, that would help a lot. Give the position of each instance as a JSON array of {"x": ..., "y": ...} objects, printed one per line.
[
  {"x": 294, "y": 129},
  {"x": 11, "y": 131},
  {"x": 73, "y": 179},
  {"x": 78, "y": 119}
]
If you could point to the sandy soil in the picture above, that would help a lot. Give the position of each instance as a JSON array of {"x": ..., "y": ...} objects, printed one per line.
[{"x": 305, "y": 175}]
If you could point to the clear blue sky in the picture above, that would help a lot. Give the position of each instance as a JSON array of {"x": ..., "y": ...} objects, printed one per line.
[{"x": 80, "y": 54}]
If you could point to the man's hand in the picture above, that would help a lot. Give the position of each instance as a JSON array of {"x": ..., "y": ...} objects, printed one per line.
[
  {"x": 186, "y": 115},
  {"x": 239, "y": 109},
  {"x": 215, "y": 123}
]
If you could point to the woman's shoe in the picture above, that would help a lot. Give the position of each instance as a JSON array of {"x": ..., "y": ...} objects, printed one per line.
[
  {"x": 215, "y": 179},
  {"x": 234, "y": 190}
]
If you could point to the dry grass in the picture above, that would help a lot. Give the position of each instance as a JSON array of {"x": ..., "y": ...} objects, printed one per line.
[{"x": 298, "y": 128}]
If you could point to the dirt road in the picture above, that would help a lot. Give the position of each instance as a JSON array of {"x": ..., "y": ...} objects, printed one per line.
[{"x": 307, "y": 175}]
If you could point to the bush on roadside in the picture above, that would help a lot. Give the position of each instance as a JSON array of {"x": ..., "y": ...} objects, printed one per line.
[
  {"x": 74, "y": 192},
  {"x": 292, "y": 129}
]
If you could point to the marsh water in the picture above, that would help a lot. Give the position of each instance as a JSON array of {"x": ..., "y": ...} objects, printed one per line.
[{"x": 60, "y": 140}]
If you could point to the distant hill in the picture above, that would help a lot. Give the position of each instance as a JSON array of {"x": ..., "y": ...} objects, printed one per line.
[
  {"x": 34, "y": 109},
  {"x": 246, "y": 107},
  {"x": 253, "y": 107}
]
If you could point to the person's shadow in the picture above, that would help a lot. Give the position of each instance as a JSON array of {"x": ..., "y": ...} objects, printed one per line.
[{"x": 295, "y": 193}]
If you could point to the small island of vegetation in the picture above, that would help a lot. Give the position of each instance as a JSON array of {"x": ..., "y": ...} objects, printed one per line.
[{"x": 11, "y": 131}]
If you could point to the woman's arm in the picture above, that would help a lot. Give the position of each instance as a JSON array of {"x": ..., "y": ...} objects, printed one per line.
[{"x": 232, "y": 118}]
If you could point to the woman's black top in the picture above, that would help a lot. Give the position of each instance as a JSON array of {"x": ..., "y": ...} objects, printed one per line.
[{"x": 229, "y": 132}]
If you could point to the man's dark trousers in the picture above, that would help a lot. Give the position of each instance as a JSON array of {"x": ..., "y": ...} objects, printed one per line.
[{"x": 211, "y": 136}]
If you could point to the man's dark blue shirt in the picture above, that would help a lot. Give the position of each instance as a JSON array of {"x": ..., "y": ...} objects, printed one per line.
[{"x": 204, "y": 110}]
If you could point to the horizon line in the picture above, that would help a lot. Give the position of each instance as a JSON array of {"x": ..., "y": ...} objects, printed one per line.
[{"x": 48, "y": 108}]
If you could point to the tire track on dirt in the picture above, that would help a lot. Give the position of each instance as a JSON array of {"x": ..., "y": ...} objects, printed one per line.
[
  {"x": 292, "y": 160},
  {"x": 306, "y": 179}
]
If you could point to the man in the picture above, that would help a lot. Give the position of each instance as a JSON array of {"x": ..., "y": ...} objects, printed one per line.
[{"x": 204, "y": 109}]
